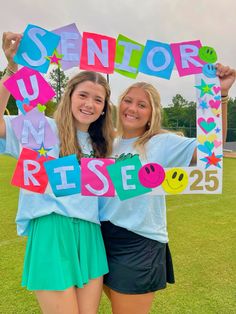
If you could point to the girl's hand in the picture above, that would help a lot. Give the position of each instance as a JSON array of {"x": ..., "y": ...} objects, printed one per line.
[
  {"x": 10, "y": 44},
  {"x": 227, "y": 77}
]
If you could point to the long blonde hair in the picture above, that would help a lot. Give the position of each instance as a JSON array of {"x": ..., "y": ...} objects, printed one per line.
[
  {"x": 154, "y": 126},
  {"x": 100, "y": 131}
]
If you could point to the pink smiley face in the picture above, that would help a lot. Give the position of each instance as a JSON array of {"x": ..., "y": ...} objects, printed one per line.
[{"x": 151, "y": 175}]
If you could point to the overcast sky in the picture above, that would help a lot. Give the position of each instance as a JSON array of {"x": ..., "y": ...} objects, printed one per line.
[{"x": 211, "y": 21}]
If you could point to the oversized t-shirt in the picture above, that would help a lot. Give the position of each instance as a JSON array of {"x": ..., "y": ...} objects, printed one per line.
[
  {"x": 146, "y": 214},
  {"x": 32, "y": 205}
]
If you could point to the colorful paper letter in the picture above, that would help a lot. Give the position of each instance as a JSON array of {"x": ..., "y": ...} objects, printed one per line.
[
  {"x": 64, "y": 175},
  {"x": 29, "y": 84},
  {"x": 124, "y": 175},
  {"x": 128, "y": 56},
  {"x": 95, "y": 179},
  {"x": 33, "y": 129},
  {"x": 30, "y": 173},
  {"x": 98, "y": 53},
  {"x": 157, "y": 60},
  {"x": 69, "y": 45},
  {"x": 36, "y": 44},
  {"x": 186, "y": 57}
]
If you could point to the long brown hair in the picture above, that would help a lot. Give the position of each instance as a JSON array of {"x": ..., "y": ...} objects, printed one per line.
[
  {"x": 100, "y": 131},
  {"x": 154, "y": 126}
]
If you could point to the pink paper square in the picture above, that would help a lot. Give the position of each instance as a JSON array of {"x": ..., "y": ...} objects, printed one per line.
[
  {"x": 28, "y": 83},
  {"x": 98, "y": 53},
  {"x": 186, "y": 57},
  {"x": 95, "y": 179}
]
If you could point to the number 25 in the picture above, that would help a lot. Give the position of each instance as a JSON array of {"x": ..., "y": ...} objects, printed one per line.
[{"x": 210, "y": 176}]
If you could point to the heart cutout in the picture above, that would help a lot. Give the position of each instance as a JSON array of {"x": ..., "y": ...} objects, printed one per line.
[
  {"x": 209, "y": 138},
  {"x": 41, "y": 108},
  {"x": 209, "y": 145},
  {"x": 216, "y": 89},
  {"x": 27, "y": 108},
  {"x": 217, "y": 143},
  {"x": 206, "y": 147},
  {"x": 215, "y": 104},
  {"x": 206, "y": 125},
  {"x": 21, "y": 103},
  {"x": 216, "y": 112}
]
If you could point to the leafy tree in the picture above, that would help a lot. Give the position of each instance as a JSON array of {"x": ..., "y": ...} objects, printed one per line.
[
  {"x": 231, "y": 134},
  {"x": 190, "y": 119},
  {"x": 180, "y": 115},
  {"x": 114, "y": 114},
  {"x": 58, "y": 81},
  {"x": 11, "y": 106},
  {"x": 50, "y": 108},
  {"x": 175, "y": 111},
  {"x": 164, "y": 118}
]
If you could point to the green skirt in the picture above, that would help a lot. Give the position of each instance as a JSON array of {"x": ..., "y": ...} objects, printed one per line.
[{"x": 62, "y": 252}]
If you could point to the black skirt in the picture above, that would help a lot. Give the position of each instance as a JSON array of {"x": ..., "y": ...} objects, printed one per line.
[{"x": 137, "y": 264}]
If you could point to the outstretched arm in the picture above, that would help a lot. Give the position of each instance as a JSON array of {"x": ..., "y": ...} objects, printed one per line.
[
  {"x": 227, "y": 77},
  {"x": 10, "y": 43}
]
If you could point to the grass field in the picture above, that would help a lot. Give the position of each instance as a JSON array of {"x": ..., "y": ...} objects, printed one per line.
[{"x": 202, "y": 239}]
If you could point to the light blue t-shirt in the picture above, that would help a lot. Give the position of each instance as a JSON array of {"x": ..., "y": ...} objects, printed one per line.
[
  {"x": 32, "y": 205},
  {"x": 146, "y": 214}
]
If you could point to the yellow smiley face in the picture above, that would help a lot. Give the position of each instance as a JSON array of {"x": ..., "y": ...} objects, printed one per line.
[{"x": 176, "y": 181}]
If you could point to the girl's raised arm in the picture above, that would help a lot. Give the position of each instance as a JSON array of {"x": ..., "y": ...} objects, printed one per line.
[{"x": 10, "y": 44}]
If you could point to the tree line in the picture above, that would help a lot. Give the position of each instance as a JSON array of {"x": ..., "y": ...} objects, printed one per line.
[{"x": 180, "y": 115}]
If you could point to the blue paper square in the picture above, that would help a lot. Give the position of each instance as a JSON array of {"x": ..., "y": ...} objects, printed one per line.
[
  {"x": 36, "y": 44},
  {"x": 157, "y": 60},
  {"x": 64, "y": 175}
]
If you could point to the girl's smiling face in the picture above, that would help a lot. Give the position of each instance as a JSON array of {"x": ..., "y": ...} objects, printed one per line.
[
  {"x": 87, "y": 103},
  {"x": 135, "y": 112}
]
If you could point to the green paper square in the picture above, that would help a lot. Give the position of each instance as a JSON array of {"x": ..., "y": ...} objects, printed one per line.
[
  {"x": 134, "y": 59},
  {"x": 115, "y": 172}
]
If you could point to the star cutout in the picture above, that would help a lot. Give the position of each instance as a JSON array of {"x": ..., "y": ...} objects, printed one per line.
[
  {"x": 202, "y": 104},
  {"x": 217, "y": 130},
  {"x": 55, "y": 58},
  {"x": 205, "y": 88},
  {"x": 212, "y": 159},
  {"x": 42, "y": 151}
]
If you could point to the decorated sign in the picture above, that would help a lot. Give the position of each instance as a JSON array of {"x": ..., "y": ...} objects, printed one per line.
[{"x": 126, "y": 177}]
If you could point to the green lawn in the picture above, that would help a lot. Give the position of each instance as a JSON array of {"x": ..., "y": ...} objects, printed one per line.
[{"x": 202, "y": 239}]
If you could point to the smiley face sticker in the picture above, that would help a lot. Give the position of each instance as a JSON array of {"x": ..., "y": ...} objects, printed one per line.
[
  {"x": 207, "y": 54},
  {"x": 209, "y": 70},
  {"x": 176, "y": 181},
  {"x": 151, "y": 175}
]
